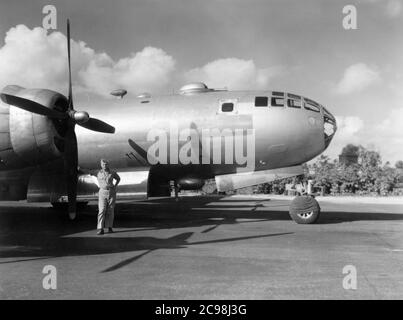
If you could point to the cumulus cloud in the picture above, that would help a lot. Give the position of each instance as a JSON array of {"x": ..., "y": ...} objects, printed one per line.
[
  {"x": 357, "y": 77},
  {"x": 30, "y": 58},
  {"x": 349, "y": 130},
  {"x": 33, "y": 58},
  {"x": 348, "y": 127},
  {"x": 386, "y": 136},
  {"x": 233, "y": 73},
  {"x": 147, "y": 70}
]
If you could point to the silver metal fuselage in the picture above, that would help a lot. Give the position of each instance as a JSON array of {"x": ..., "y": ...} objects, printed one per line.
[{"x": 283, "y": 136}]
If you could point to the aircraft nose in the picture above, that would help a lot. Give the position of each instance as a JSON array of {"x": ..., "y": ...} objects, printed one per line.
[{"x": 329, "y": 126}]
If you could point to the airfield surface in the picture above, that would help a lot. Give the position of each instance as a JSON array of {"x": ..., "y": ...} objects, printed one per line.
[{"x": 240, "y": 247}]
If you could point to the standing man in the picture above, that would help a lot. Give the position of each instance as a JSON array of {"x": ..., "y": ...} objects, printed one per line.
[{"x": 107, "y": 197}]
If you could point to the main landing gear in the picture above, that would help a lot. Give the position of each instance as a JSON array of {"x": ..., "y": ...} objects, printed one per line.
[
  {"x": 63, "y": 207},
  {"x": 304, "y": 209}
]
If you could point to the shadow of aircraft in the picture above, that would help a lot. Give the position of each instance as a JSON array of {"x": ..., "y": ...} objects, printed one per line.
[
  {"x": 180, "y": 241},
  {"x": 47, "y": 246},
  {"x": 38, "y": 233}
]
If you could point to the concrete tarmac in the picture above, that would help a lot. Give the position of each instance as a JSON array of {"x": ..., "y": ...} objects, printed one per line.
[{"x": 241, "y": 247}]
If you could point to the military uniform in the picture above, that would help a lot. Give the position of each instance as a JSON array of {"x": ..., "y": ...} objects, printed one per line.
[{"x": 107, "y": 198}]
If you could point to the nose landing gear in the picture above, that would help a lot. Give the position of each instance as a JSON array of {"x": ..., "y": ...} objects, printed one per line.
[{"x": 304, "y": 209}]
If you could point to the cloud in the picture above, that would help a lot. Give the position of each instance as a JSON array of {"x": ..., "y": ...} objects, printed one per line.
[
  {"x": 348, "y": 127},
  {"x": 33, "y": 58},
  {"x": 30, "y": 58},
  {"x": 147, "y": 70},
  {"x": 385, "y": 137},
  {"x": 234, "y": 74},
  {"x": 349, "y": 130},
  {"x": 356, "y": 78}
]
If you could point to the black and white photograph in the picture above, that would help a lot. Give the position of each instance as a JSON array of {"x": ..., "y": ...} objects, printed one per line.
[{"x": 216, "y": 150}]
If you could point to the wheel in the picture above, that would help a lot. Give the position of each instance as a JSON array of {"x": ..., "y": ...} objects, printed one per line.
[{"x": 304, "y": 210}]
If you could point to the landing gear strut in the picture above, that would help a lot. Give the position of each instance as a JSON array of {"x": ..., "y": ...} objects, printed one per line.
[
  {"x": 63, "y": 207},
  {"x": 304, "y": 209},
  {"x": 176, "y": 190}
]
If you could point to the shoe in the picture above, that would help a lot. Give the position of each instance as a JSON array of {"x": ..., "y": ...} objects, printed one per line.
[
  {"x": 100, "y": 232},
  {"x": 110, "y": 230}
]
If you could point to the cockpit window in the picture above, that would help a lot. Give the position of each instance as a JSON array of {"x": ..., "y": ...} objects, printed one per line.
[
  {"x": 311, "y": 102},
  {"x": 261, "y": 101},
  {"x": 328, "y": 114},
  {"x": 277, "y": 102},
  {"x": 294, "y": 96},
  {"x": 291, "y": 103},
  {"x": 311, "y": 105},
  {"x": 227, "y": 107},
  {"x": 277, "y": 93}
]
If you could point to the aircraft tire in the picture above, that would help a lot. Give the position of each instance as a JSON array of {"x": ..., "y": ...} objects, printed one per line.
[{"x": 304, "y": 210}]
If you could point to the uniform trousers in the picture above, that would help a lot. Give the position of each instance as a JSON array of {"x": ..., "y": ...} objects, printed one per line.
[{"x": 106, "y": 208}]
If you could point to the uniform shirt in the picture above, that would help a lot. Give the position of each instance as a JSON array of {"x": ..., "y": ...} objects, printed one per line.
[{"x": 105, "y": 179}]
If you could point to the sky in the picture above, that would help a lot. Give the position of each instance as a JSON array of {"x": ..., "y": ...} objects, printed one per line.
[{"x": 158, "y": 45}]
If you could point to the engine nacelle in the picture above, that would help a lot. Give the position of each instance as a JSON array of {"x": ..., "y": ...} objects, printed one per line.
[
  {"x": 27, "y": 138},
  {"x": 47, "y": 184}
]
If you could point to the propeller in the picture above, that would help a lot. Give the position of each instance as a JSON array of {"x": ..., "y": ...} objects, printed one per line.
[
  {"x": 71, "y": 153},
  {"x": 72, "y": 117},
  {"x": 32, "y": 106}
]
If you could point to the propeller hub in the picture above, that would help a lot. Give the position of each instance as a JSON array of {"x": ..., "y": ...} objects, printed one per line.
[{"x": 81, "y": 117}]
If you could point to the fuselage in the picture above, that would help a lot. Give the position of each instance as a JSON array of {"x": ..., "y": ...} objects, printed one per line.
[
  {"x": 186, "y": 137},
  {"x": 283, "y": 135}
]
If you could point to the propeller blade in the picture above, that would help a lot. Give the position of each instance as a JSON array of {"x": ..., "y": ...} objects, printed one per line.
[
  {"x": 32, "y": 106},
  {"x": 71, "y": 170},
  {"x": 69, "y": 62},
  {"x": 97, "y": 125}
]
